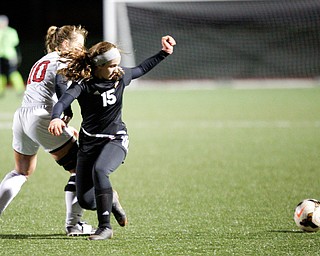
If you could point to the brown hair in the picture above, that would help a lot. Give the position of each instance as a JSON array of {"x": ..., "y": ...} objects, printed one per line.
[
  {"x": 55, "y": 36},
  {"x": 80, "y": 63}
]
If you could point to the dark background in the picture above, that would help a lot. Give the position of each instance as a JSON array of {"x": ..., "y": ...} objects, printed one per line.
[
  {"x": 223, "y": 40},
  {"x": 215, "y": 40},
  {"x": 32, "y": 18}
]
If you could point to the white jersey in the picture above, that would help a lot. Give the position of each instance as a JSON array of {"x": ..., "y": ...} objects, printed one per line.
[
  {"x": 31, "y": 120},
  {"x": 41, "y": 82}
]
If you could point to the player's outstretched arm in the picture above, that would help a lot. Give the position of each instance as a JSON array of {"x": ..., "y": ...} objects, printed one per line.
[{"x": 167, "y": 44}]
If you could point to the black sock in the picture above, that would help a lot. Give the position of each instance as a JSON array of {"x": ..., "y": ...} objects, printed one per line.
[
  {"x": 104, "y": 206},
  {"x": 71, "y": 185}
]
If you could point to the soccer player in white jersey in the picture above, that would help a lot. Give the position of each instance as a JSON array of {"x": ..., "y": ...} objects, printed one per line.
[{"x": 30, "y": 132}]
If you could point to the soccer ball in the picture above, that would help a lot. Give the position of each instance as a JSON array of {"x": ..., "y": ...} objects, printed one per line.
[{"x": 307, "y": 215}]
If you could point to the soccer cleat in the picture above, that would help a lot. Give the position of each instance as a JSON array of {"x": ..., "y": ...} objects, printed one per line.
[
  {"x": 80, "y": 229},
  {"x": 118, "y": 211},
  {"x": 101, "y": 234}
]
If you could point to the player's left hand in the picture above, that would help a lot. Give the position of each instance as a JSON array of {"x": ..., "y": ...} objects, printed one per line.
[
  {"x": 167, "y": 44},
  {"x": 56, "y": 126},
  {"x": 117, "y": 74}
]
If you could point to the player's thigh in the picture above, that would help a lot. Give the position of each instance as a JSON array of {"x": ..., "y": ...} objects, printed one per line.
[{"x": 111, "y": 157}]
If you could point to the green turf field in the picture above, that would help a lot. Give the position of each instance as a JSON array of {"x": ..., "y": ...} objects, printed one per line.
[{"x": 209, "y": 172}]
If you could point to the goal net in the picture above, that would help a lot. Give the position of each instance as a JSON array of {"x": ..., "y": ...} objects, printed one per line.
[{"x": 219, "y": 39}]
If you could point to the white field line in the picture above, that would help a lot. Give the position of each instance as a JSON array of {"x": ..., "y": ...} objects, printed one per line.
[
  {"x": 230, "y": 124},
  {"x": 6, "y": 120},
  {"x": 4, "y": 115},
  {"x": 6, "y": 123}
]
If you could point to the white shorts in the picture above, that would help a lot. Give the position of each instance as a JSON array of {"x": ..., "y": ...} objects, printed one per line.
[{"x": 30, "y": 131}]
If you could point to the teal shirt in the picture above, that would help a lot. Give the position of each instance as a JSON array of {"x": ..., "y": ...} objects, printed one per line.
[{"x": 8, "y": 41}]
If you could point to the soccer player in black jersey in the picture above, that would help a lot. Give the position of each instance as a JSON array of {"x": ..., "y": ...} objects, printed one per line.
[{"x": 103, "y": 141}]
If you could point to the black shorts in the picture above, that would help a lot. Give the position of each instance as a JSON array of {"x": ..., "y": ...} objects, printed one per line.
[
  {"x": 90, "y": 148},
  {"x": 6, "y": 68}
]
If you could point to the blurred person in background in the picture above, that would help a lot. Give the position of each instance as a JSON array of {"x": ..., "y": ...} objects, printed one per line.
[{"x": 9, "y": 57}]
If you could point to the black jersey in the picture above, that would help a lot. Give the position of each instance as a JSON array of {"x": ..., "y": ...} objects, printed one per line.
[
  {"x": 101, "y": 100},
  {"x": 101, "y": 104}
]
